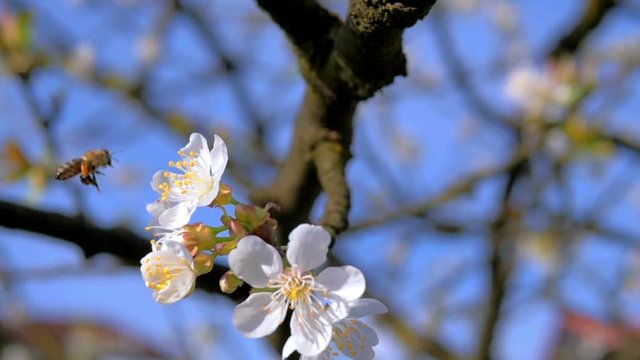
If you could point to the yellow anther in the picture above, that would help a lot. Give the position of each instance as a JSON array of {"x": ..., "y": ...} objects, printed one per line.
[
  {"x": 193, "y": 153},
  {"x": 167, "y": 174},
  {"x": 172, "y": 163}
]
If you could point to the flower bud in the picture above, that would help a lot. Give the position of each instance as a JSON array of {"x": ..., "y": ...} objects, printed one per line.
[
  {"x": 198, "y": 237},
  {"x": 203, "y": 262},
  {"x": 229, "y": 282},
  {"x": 225, "y": 248},
  {"x": 237, "y": 229},
  {"x": 258, "y": 221},
  {"x": 224, "y": 195}
]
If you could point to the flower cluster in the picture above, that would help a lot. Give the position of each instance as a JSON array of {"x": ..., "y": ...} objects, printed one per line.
[
  {"x": 183, "y": 252},
  {"x": 327, "y": 306}
]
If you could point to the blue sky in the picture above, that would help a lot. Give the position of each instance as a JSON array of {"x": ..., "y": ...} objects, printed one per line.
[{"x": 425, "y": 138}]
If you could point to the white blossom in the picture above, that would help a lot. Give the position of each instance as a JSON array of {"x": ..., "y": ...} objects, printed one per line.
[
  {"x": 537, "y": 91},
  {"x": 317, "y": 302},
  {"x": 169, "y": 271},
  {"x": 351, "y": 337},
  {"x": 197, "y": 184}
]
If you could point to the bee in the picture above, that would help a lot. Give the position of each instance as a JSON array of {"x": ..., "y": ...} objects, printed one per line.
[{"x": 87, "y": 166}]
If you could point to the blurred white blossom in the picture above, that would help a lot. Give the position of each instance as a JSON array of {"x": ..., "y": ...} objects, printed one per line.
[
  {"x": 148, "y": 48},
  {"x": 82, "y": 60},
  {"x": 537, "y": 91}
]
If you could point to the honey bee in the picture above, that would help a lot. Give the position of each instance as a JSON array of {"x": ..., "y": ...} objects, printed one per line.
[{"x": 87, "y": 166}]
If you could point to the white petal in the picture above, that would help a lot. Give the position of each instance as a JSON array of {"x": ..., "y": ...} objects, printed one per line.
[
  {"x": 210, "y": 195},
  {"x": 157, "y": 180},
  {"x": 179, "y": 288},
  {"x": 311, "y": 333},
  {"x": 255, "y": 262},
  {"x": 364, "y": 307},
  {"x": 308, "y": 246},
  {"x": 365, "y": 353},
  {"x": 368, "y": 336},
  {"x": 289, "y": 348},
  {"x": 172, "y": 266},
  {"x": 177, "y": 216},
  {"x": 219, "y": 157},
  {"x": 197, "y": 143},
  {"x": 176, "y": 248},
  {"x": 156, "y": 209},
  {"x": 324, "y": 355},
  {"x": 252, "y": 318},
  {"x": 345, "y": 281},
  {"x": 361, "y": 336}
]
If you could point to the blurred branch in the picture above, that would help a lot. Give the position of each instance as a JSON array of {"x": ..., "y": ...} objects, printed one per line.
[
  {"x": 594, "y": 12},
  {"x": 625, "y": 141},
  {"x": 500, "y": 266},
  {"x": 501, "y": 255},
  {"x": 232, "y": 69},
  {"x": 415, "y": 343},
  {"x": 458, "y": 74},
  {"x": 91, "y": 239},
  {"x": 450, "y": 193},
  {"x": 500, "y": 261}
]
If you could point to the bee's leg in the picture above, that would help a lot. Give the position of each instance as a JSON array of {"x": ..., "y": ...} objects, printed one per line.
[{"x": 94, "y": 181}]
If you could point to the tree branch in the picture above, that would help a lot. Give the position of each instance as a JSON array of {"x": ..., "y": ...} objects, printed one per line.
[
  {"x": 307, "y": 25},
  {"x": 343, "y": 64},
  {"x": 595, "y": 11},
  {"x": 121, "y": 242}
]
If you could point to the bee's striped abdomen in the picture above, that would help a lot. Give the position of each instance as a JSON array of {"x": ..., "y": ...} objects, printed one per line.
[{"x": 69, "y": 169}]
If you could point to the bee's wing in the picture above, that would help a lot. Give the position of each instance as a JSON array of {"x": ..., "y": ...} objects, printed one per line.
[{"x": 69, "y": 170}]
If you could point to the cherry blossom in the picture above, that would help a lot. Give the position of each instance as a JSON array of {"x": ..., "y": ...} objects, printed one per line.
[{"x": 317, "y": 301}]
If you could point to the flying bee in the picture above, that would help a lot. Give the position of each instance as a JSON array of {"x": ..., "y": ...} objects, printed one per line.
[{"x": 87, "y": 166}]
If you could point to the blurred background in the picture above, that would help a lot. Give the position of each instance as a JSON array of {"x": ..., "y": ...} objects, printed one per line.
[{"x": 495, "y": 189}]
